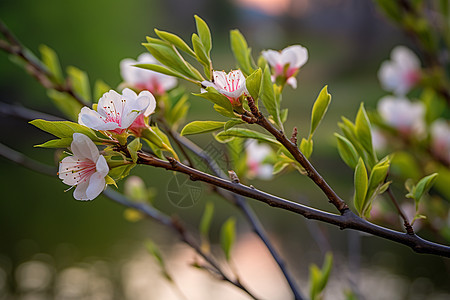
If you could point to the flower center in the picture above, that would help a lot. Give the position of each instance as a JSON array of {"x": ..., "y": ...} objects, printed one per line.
[
  {"x": 113, "y": 113},
  {"x": 81, "y": 171}
]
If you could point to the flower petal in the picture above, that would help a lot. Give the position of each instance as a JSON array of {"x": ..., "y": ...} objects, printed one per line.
[
  {"x": 296, "y": 56},
  {"x": 67, "y": 170},
  {"x": 102, "y": 166},
  {"x": 220, "y": 79},
  {"x": 84, "y": 147},
  {"x": 152, "y": 105},
  {"x": 80, "y": 191},
  {"x": 273, "y": 57},
  {"x": 129, "y": 94},
  {"x": 128, "y": 70},
  {"x": 292, "y": 81},
  {"x": 133, "y": 109},
  {"x": 96, "y": 186}
]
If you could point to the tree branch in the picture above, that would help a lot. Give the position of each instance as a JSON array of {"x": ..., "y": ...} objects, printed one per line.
[
  {"x": 178, "y": 227},
  {"x": 145, "y": 209},
  {"x": 298, "y": 155},
  {"x": 241, "y": 203},
  {"x": 346, "y": 220}
]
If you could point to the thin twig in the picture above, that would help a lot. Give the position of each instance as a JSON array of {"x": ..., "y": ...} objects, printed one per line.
[
  {"x": 21, "y": 159},
  {"x": 147, "y": 210},
  {"x": 346, "y": 220},
  {"x": 36, "y": 68},
  {"x": 241, "y": 203},
  {"x": 406, "y": 223},
  {"x": 178, "y": 227},
  {"x": 298, "y": 155}
]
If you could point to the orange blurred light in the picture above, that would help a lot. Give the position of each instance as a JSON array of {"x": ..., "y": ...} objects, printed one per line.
[{"x": 270, "y": 7}]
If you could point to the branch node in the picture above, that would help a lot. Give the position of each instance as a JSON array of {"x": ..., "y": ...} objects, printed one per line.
[
  {"x": 294, "y": 136},
  {"x": 172, "y": 161},
  {"x": 233, "y": 176},
  {"x": 253, "y": 107}
]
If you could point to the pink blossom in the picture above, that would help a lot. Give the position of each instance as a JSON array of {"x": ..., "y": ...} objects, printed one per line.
[
  {"x": 440, "y": 139},
  {"x": 86, "y": 168},
  {"x": 405, "y": 116},
  {"x": 117, "y": 112},
  {"x": 401, "y": 73},
  {"x": 142, "y": 79},
  {"x": 287, "y": 62},
  {"x": 256, "y": 154},
  {"x": 232, "y": 85}
]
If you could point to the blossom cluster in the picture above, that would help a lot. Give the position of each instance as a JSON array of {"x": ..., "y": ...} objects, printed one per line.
[{"x": 400, "y": 75}]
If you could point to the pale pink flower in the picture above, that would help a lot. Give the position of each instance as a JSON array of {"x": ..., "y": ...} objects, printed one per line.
[
  {"x": 140, "y": 123},
  {"x": 86, "y": 168},
  {"x": 401, "y": 73},
  {"x": 232, "y": 85},
  {"x": 117, "y": 112},
  {"x": 440, "y": 139},
  {"x": 143, "y": 79},
  {"x": 405, "y": 116},
  {"x": 287, "y": 62},
  {"x": 256, "y": 154}
]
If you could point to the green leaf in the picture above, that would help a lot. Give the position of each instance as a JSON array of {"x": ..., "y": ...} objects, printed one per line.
[
  {"x": 204, "y": 33},
  {"x": 268, "y": 96},
  {"x": 214, "y": 96},
  {"x": 168, "y": 57},
  {"x": 64, "y": 129},
  {"x": 347, "y": 151},
  {"x": 326, "y": 270},
  {"x": 227, "y": 236},
  {"x": 205, "y": 222},
  {"x": 279, "y": 166},
  {"x": 225, "y": 136},
  {"x": 377, "y": 177},
  {"x": 177, "y": 114},
  {"x": 133, "y": 148},
  {"x": 58, "y": 143},
  {"x": 283, "y": 115},
  {"x": 100, "y": 88},
  {"x": 162, "y": 70},
  {"x": 224, "y": 112},
  {"x": 253, "y": 83},
  {"x": 66, "y": 104},
  {"x": 154, "y": 251},
  {"x": 175, "y": 40},
  {"x": 120, "y": 172},
  {"x": 80, "y": 83},
  {"x": 241, "y": 51},
  {"x": 201, "y": 127},
  {"x": 51, "y": 61},
  {"x": 424, "y": 185},
  {"x": 306, "y": 147},
  {"x": 320, "y": 107},
  {"x": 363, "y": 131},
  {"x": 233, "y": 122},
  {"x": 201, "y": 54},
  {"x": 361, "y": 183},
  {"x": 314, "y": 280}
]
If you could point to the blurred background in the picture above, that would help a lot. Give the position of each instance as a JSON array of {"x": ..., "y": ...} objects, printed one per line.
[{"x": 52, "y": 246}]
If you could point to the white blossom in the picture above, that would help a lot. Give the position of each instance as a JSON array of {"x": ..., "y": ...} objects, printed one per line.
[
  {"x": 401, "y": 73},
  {"x": 86, "y": 168},
  {"x": 405, "y": 116},
  {"x": 117, "y": 112},
  {"x": 256, "y": 154},
  {"x": 287, "y": 62},
  {"x": 143, "y": 79},
  {"x": 440, "y": 139},
  {"x": 232, "y": 85}
]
